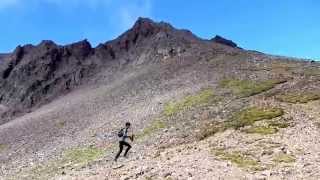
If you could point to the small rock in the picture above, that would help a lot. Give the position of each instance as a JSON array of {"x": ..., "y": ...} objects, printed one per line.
[
  {"x": 266, "y": 173},
  {"x": 307, "y": 164},
  {"x": 167, "y": 174}
]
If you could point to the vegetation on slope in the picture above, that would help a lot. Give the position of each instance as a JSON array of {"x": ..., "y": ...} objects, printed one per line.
[
  {"x": 2, "y": 147},
  {"x": 72, "y": 158},
  {"x": 284, "y": 158},
  {"x": 246, "y": 88},
  {"x": 153, "y": 127},
  {"x": 203, "y": 97},
  {"x": 298, "y": 97},
  {"x": 240, "y": 159},
  {"x": 264, "y": 130},
  {"x": 245, "y": 117},
  {"x": 268, "y": 127},
  {"x": 82, "y": 156}
]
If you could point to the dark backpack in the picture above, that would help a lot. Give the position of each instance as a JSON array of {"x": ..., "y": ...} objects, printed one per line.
[{"x": 121, "y": 133}]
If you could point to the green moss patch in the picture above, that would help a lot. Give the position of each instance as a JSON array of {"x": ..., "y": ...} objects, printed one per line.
[
  {"x": 279, "y": 124},
  {"x": 72, "y": 158},
  {"x": 61, "y": 124},
  {"x": 203, "y": 97},
  {"x": 209, "y": 129},
  {"x": 269, "y": 127},
  {"x": 249, "y": 116},
  {"x": 82, "y": 156},
  {"x": 283, "y": 158},
  {"x": 264, "y": 130},
  {"x": 298, "y": 97},
  {"x": 240, "y": 159},
  {"x": 268, "y": 145},
  {"x": 152, "y": 128},
  {"x": 243, "y": 118},
  {"x": 2, "y": 147},
  {"x": 246, "y": 88}
]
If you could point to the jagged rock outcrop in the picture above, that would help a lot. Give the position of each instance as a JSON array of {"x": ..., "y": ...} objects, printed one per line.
[
  {"x": 221, "y": 40},
  {"x": 33, "y": 75}
]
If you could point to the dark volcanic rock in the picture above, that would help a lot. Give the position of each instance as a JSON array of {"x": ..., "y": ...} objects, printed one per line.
[
  {"x": 34, "y": 75},
  {"x": 221, "y": 40}
]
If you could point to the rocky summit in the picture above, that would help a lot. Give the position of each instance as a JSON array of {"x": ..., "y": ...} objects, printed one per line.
[
  {"x": 199, "y": 109},
  {"x": 219, "y": 39}
]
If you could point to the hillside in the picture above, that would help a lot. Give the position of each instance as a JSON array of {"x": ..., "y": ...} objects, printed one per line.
[{"x": 201, "y": 109}]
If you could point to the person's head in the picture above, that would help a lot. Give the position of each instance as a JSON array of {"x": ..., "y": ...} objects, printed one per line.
[{"x": 128, "y": 124}]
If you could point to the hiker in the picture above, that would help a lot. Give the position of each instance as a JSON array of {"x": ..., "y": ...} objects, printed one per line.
[{"x": 123, "y": 135}]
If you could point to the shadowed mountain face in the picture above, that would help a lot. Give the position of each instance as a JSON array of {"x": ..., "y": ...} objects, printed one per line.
[{"x": 34, "y": 75}]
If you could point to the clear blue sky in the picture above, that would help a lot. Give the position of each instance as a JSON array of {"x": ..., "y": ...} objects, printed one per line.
[{"x": 283, "y": 27}]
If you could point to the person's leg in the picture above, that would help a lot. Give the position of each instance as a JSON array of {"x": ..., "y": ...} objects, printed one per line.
[
  {"x": 128, "y": 148},
  {"x": 120, "y": 150}
]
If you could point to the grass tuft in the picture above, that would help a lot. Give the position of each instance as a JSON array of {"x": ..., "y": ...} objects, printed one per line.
[
  {"x": 240, "y": 159},
  {"x": 284, "y": 158},
  {"x": 2, "y": 147},
  {"x": 246, "y": 88},
  {"x": 204, "y": 97},
  {"x": 72, "y": 158},
  {"x": 61, "y": 124},
  {"x": 264, "y": 130},
  {"x": 153, "y": 127},
  {"x": 270, "y": 127},
  {"x": 211, "y": 129},
  {"x": 278, "y": 124},
  {"x": 82, "y": 156},
  {"x": 249, "y": 116},
  {"x": 298, "y": 97},
  {"x": 246, "y": 117}
]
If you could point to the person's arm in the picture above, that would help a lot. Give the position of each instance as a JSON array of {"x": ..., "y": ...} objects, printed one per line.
[{"x": 131, "y": 136}]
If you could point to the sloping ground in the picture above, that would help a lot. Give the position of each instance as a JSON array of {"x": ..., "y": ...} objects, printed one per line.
[
  {"x": 222, "y": 116},
  {"x": 291, "y": 152},
  {"x": 288, "y": 153},
  {"x": 74, "y": 119}
]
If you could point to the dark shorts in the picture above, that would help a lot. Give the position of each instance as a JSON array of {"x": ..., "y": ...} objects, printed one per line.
[{"x": 123, "y": 143}]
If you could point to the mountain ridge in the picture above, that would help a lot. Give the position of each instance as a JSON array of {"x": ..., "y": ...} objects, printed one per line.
[{"x": 55, "y": 69}]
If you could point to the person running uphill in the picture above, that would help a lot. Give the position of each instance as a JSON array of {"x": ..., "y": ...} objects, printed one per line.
[{"x": 123, "y": 135}]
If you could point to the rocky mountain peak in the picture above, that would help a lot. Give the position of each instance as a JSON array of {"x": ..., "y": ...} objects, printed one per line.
[
  {"x": 222, "y": 40},
  {"x": 47, "y": 70},
  {"x": 80, "y": 49},
  {"x": 47, "y": 43}
]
